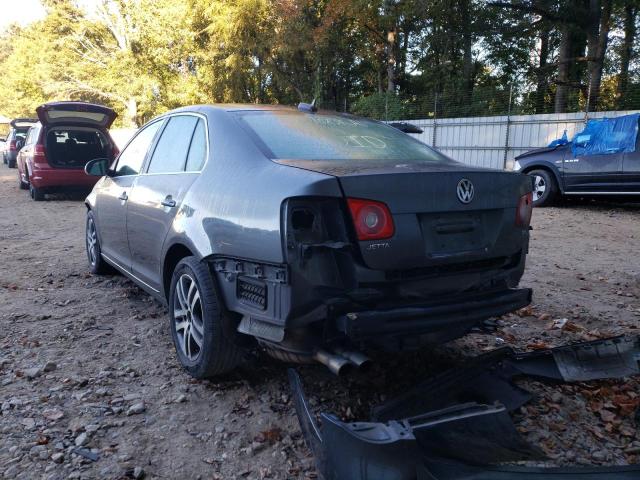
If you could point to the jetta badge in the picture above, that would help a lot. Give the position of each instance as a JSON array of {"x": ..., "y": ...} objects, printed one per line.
[{"x": 465, "y": 190}]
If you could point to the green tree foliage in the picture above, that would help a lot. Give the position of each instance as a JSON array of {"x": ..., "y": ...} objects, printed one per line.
[{"x": 382, "y": 58}]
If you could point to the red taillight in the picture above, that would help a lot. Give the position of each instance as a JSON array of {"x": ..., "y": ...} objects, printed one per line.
[
  {"x": 12, "y": 145},
  {"x": 523, "y": 211},
  {"x": 372, "y": 220},
  {"x": 39, "y": 153}
]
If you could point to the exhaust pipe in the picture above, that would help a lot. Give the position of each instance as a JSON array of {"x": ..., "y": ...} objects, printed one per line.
[
  {"x": 358, "y": 359},
  {"x": 336, "y": 363}
]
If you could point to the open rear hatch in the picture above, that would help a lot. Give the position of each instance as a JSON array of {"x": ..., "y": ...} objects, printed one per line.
[
  {"x": 76, "y": 113},
  {"x": 441, "y": 213},
  {"x": 22, "y": 122}
]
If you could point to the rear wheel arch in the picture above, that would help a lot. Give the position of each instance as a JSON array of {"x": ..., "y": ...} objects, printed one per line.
[{"x": 176, "y": 252}]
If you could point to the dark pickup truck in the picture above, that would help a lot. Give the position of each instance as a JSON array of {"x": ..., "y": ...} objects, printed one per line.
[{"x": 604, "y": 159}]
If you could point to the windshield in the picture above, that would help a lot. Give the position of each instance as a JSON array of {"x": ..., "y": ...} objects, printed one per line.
[{"x": 291, "y": 135}]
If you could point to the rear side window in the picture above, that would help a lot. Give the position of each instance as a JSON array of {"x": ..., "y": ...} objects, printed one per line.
[
  {"x": 198, "y": 149},
  {"x": 131, "y": 159},
  {"x": 292, "y": 135},
  {"x": 29, "y": 139},
  {"x": 32, "y": 135},
  {"x": 171, "y": 150}
]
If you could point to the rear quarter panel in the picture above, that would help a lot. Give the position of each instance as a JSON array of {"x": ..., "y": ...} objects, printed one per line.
[{"x": 233, "y": 208}]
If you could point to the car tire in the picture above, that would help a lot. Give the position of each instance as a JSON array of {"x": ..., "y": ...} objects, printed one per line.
[
  {"x": 37, "y": 194},
  {"x": 197, "y": 320},
  {"x": 545, "y": 188},
  {"x": 21, "y": 184},
  {"x": 97, "y": 265}
]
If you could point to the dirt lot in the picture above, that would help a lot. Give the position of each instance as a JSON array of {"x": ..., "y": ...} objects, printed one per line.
[{"x": 87, "y": 361}]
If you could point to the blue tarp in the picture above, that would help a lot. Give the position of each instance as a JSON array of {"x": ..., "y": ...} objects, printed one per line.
[
  {"x": 607, "y": 135},
  {"x": 563, "y": 140}
]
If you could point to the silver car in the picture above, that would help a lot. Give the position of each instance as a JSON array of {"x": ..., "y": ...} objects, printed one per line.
[{"x": 313, "y": 236}]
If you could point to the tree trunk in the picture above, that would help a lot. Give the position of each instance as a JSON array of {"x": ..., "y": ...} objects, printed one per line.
[
  {"x": 562, "y": 82},
  {"x": 467, "y": 60},
  {"x": 380, "y": 69},
  {"x": 132, "y": 112},
  {"x": 597, "y": 41},
  {"x": 541, "y": 74},
  {"x": 391, "y": 60},
  {"x": 403, "y": 47},
  {"x": 630, "y": 13}
]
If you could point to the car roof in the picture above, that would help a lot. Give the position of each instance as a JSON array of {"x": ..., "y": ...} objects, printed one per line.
[
  {"x": 216, "y": 109},
  {"x": 248, "y": 107}
]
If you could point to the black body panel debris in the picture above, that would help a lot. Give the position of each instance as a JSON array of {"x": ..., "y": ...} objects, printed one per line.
[
  {"x": 487, "y": 378},
  {"x": 456, "y": 426}
]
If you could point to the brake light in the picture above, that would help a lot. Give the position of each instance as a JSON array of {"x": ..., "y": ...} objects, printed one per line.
[
  {"x": 372, "y": 220},
  {"x": 12, "y": 145},
  {"x": 524, "y": 209},
  {"x": 39, "y": 153}
]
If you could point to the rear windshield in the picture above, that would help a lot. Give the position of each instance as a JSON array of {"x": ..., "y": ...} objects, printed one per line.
[{"x": 291, "y": 135}]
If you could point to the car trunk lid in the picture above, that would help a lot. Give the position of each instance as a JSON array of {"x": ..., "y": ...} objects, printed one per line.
[
  {"x": 433, "y": 224},
  {"x": 76, "y": 113}
]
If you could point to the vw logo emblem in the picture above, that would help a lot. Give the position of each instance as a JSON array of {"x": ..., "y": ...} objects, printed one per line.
[{"x": 465, "y": 190}]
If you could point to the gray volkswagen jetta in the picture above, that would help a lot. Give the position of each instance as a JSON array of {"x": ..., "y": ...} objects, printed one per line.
[{"x": 315, "y": 236}]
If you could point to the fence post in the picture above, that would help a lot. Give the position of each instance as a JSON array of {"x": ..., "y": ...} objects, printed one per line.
[
  {"x": 435, "y": 117},
  {"x": 506, "y": 136}
]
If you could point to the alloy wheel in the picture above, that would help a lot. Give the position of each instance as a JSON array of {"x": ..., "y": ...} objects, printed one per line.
[
  {"x": 539, "y": 187},
  {"x": 187, "y": 317},
  {"x": 92, "y": 241}
]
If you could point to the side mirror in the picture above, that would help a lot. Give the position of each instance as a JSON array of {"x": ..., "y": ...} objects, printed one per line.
[{"x": 98, "y": 167}]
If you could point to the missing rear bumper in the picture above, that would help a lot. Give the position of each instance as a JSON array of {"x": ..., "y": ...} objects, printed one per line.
[
  {"x": 433, "y": 317},
  {"x": 430, "y": 434}
]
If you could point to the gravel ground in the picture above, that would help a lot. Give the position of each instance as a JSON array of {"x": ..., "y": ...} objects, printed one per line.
[{"x": 90, "y": 386}]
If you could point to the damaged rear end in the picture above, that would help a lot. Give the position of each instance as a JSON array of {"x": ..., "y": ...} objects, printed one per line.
[{"x": 417, "y": 249}]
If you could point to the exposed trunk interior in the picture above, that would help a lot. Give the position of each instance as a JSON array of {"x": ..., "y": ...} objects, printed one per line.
[{"x": 74, "y": 147}]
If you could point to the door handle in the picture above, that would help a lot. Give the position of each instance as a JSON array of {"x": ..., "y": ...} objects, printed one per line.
[
  {"x": 123, "y": 197},
  {"x": 168, "y": 202}
]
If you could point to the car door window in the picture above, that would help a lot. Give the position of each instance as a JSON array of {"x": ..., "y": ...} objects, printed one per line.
[
  {"x": 132, "y": 157},
  {"x": 198, "y": 149},
  {"x": 170, "y": 153}
]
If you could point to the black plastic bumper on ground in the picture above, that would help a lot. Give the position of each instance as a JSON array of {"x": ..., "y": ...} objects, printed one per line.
[
  {"x": 432, "y": 317},
  {"x": 428, "y": 434}
]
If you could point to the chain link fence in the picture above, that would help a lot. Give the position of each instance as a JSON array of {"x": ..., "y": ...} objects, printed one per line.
[
  {"x": 490, "y": 130},
  {"x": 483, "y": 102}
]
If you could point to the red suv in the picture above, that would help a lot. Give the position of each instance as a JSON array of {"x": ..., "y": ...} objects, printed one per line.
[{"x": 57, "y": 148}]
